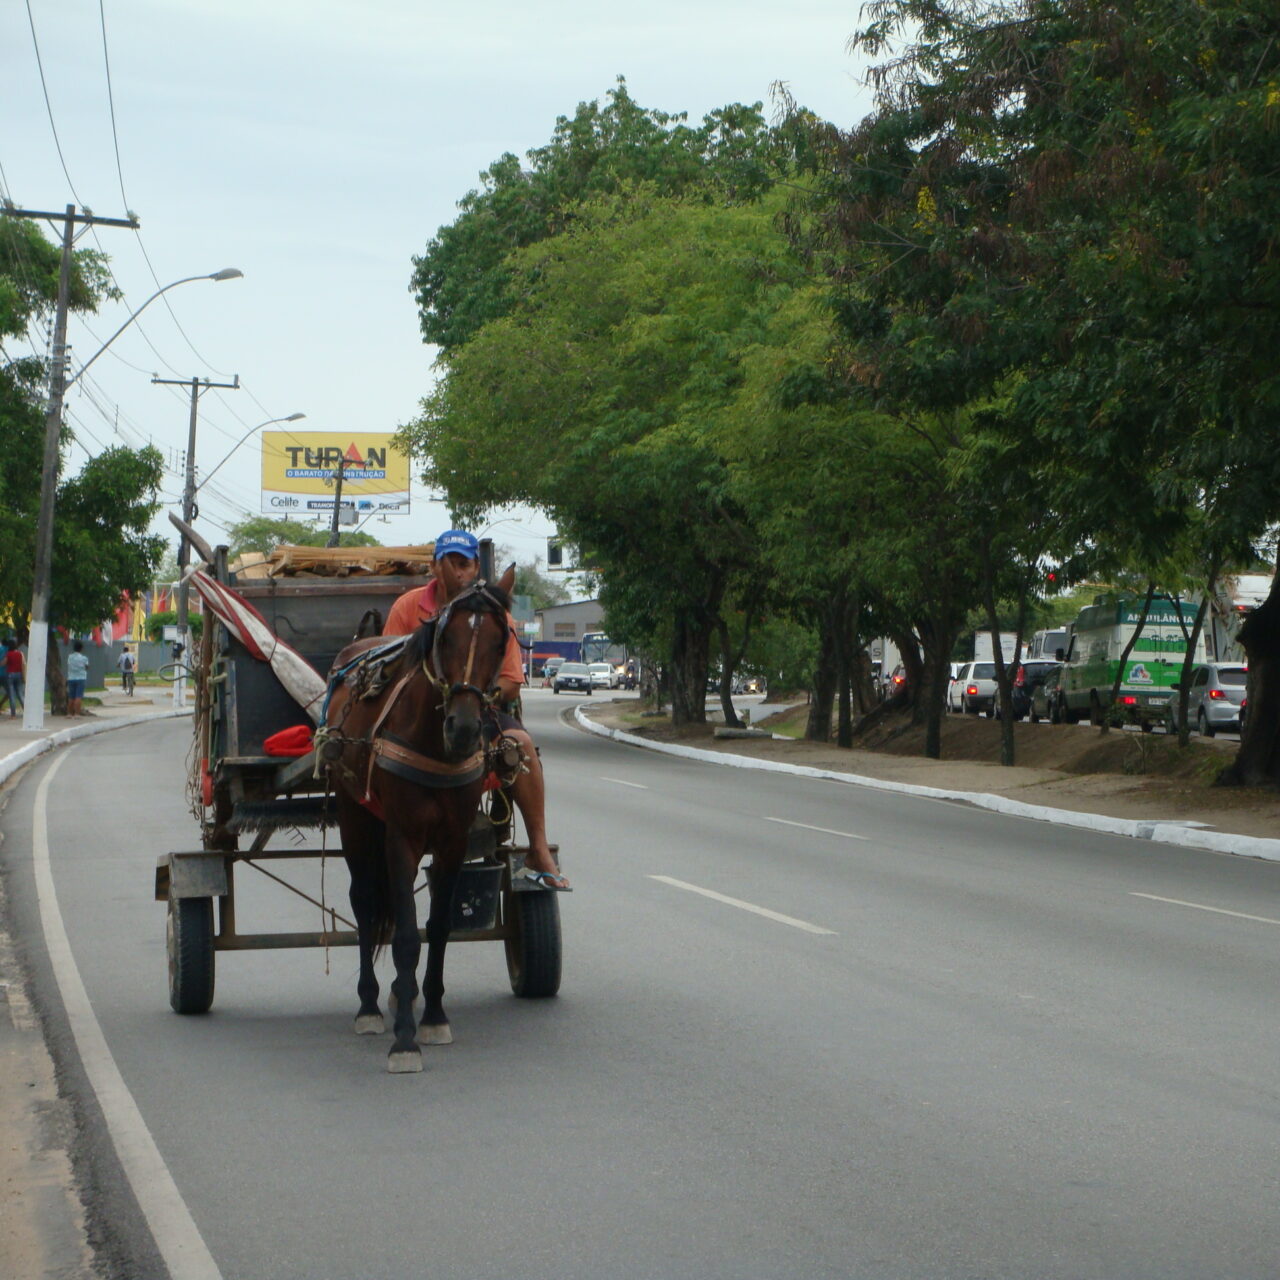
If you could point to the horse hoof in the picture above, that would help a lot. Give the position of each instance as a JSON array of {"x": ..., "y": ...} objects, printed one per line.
[
  {"x": 441, "y": 1034},
  {"x": 370, "y": 1024},
  {"x": 404, "y": 1062}
]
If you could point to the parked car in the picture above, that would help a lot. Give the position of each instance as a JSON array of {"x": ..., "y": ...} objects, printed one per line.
[
  {"x": 573, "y": 675},
  {"x": 975, "y": 690},
  {"x": 1044, "y": 697},
  {"x": 1215, "y": 699},
  {"x": 1026, "y": 680},
  {"x": 603, "y": 675}
]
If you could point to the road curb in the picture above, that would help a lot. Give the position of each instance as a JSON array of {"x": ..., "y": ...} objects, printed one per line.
[
  {"x": 11, "y": 763},
  {"x": 1138, "y": 829}
]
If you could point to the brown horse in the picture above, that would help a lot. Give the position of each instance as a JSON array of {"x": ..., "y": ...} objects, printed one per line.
[{"x": 404, "y": 741}]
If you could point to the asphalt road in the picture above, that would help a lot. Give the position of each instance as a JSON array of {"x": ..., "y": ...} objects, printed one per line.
[{"x": 806, "y": 1030}]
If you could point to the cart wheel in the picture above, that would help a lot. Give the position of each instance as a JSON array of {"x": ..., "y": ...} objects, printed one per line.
[
  {"x": 533, "y": 950},
  {"x": 189, "y": 943}
]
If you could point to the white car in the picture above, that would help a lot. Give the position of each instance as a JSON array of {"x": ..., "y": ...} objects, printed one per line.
[{"x": 603, "y": 675}]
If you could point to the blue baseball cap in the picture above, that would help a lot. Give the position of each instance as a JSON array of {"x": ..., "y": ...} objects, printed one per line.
[{"x": 457, "y": 542}]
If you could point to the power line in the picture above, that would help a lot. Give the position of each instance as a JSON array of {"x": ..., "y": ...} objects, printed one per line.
[{"x": 49, "y": 106}]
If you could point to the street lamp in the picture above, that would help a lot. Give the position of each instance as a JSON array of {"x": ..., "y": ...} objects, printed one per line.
[
  {"x": 227, "y": 273},
  {"x": 293, "y": 417},
  {"x": 38, "y": 636}
]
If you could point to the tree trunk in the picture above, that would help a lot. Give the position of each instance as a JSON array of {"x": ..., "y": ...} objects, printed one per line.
[
  {"x": 1257, "y": 763},
  {"x": 728, "y": 664},
  {"x": 1124, "y": 656},
  {"x": 54, "y": 678},
  {"x": 933, "y": 679},
  {"x": 825, "y": 677},
  {"x": 846, "y": 666},
  {"x": 1188, "y": 657},
  {"x": 690, "y": 647}
]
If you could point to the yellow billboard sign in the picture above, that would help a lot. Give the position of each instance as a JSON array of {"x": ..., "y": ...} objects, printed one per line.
[{"x": 300, "y": 471}]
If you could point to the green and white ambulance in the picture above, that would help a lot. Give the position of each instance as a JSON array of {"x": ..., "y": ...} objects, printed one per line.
[{"x": 1098, "y": 638}]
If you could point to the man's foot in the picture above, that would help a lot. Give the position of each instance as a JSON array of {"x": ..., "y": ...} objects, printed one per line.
[
  {"x": 542, "y": 869},
  {"x": 549, "y": 880}
]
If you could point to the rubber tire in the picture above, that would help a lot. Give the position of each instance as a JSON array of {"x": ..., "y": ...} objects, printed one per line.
[
  {"x": 533, "y": 950},
  {"x": 1206, "y": 729},
  {"x": 1033, "y": 716},
  {"x": 189, "y": 947}
]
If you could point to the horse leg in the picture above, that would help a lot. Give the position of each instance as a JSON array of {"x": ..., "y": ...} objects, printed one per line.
[
  {"x": 444, "y": 879},
  {"x": 368, "y": 896},
  {"x": 406, "y": 950}
]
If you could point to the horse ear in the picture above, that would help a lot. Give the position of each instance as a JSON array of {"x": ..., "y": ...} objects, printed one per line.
[{"x": 508, "y": 579}]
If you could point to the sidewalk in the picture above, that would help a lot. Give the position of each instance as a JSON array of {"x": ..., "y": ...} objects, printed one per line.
[
  {"x": 43, "y": 1231},
  {"x": 19, "y": 746}
]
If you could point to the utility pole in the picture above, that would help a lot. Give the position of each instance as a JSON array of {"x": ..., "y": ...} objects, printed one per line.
[
  {"x": 38, "y": 635},
  {"x": 182, "y": 645},
  {"x": 337, "y": 503}
]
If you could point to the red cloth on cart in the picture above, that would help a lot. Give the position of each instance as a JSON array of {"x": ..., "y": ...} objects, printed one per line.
[{"x": 295, "y": 741}]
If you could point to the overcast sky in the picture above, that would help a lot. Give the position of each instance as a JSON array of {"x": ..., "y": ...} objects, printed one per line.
[{"x": 317, "y": 147}]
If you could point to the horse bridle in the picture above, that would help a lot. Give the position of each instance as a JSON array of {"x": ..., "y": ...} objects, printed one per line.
[{"x": 431, "y": 663}]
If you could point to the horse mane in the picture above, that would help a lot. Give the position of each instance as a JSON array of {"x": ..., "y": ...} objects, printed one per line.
[{"x": 492, "y": 600}]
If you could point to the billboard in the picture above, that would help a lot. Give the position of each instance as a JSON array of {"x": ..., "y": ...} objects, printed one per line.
[{"x": 300, "y": 468}]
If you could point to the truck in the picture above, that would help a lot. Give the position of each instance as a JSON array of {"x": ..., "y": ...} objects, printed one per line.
[
  {"x": 1098, "y": 638},
  {"x": 984, "y": 650}
]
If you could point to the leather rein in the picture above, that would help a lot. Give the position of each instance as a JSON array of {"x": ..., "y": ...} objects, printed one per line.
[{"x": 398, "y": 757}]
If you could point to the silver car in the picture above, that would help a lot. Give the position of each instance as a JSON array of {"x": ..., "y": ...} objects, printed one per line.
[{"x": 1216, "y": 695}]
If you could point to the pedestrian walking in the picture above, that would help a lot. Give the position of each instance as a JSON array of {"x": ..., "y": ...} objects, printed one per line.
[
  {"x": 15, "y": 670},
  {"x": 127, "y": 668},
  {"x": 77, "y": 675}
]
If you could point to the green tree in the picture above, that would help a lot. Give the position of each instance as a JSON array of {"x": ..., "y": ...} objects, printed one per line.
[
  {"x": 101, "y": 545},
  {"x": 463, "y": 279},
  {"x": 593, "y": 399},
  {"x": 1067, "y": 204},
  {"x": 264, "y": 533}
]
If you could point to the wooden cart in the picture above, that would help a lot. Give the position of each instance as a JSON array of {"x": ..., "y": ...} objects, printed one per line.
[{"x": 240, "y": 794}]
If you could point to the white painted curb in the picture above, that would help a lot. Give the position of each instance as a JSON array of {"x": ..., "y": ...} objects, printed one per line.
[
  {"x": 10, "y": 764},
  {"x": 1139, "y": 829}
]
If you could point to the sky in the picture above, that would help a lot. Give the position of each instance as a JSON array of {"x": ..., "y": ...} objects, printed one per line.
[{"x": 317, "y": 147}]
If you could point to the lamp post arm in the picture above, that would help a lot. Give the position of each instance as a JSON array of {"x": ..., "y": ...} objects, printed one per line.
[
  {"x": 228, "y": 273},
  {"x": 293, "y": 417},
  {"x": 128, "y": 322}
]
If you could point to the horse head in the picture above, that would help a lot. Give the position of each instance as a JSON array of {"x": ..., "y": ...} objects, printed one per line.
[{"x": 466, "y": 656}]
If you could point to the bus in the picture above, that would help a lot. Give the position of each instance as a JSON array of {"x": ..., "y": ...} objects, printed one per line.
[{"x": 597, "y": 647}]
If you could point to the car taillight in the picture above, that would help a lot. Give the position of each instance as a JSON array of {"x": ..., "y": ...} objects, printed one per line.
[
  {"x": 1129, "y": 700},
  {"x": 1020, "y": 679},
  {"x": 972, "y": 690},
  {"x": 1216, "y": 693}
]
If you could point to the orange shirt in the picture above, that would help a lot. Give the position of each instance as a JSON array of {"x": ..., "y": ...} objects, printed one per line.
[{"x": 419, "y": 605}]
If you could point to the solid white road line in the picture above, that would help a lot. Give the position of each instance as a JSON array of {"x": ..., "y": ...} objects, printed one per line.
[
  {"x": 622, "y": 782},
  {"x": 174, "y": 1230},
  {"x": 1199, "y": 906},
  {"x": 826, "y": 831},
  {"x": 745, "y": 906}
]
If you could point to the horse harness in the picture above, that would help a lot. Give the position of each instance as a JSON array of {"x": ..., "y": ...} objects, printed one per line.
[{"x": 368, "y": 676}]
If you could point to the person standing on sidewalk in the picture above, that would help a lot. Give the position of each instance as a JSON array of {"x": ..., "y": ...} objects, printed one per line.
[
  {"x": 14, "y": 675},
  {"x": 126, "y": 664},
  {"x": 77, "y": 674}
]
